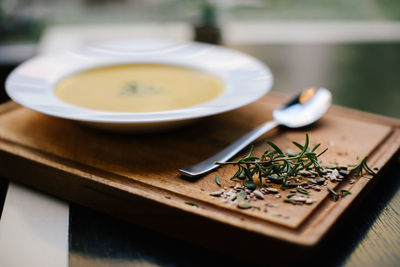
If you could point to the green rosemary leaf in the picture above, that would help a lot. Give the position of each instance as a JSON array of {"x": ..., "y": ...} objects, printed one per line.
[
  {"x": 294, "y": 168},
  {"x": 237, "y": 173},
  {"x": 333, "y": 192},
  {"x": 344, "y": 192},
  {"x": 242, "y": 175},
  {"x": 305, "y": 147},
  {"x": 326, "y": 149},
  {"x": 307, "y": 165},
  {"x": 356, "y": 166},
  {"x": 315, "y": 147},
  {"x": 248, "y": 173},
  {"x": 275, "y": 147},
  {"x": 250, "y": 152},
  {"x": 298, "y": 145},
  {"x": 264, "y": 155},
  {"x": 217, "y": 180},
  {"x": 316, "y": 164},
  {"x": 358, "y": 172},
  {"x": 366, "y": 168},
  {"x": 249, "y": 159},
  {"x": 277, "y": 156},
  {"x": 357, "y": 169},
  {"x": 288, "y": 168},
  {"x": 192, "y": 204},
  {"x": 266, "y": 172},
  {"x": 253, "y": 170},
  {"x": 369, "y": 171},
  {"x": 259, "y": 170},
  {"x": 284, "y": 182},
  {"x": 302, "y": 191},
  {"x": 269, "y": 167}
]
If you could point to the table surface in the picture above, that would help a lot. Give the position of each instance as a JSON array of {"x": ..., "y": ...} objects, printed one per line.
[{"x": 360, "y": 75}]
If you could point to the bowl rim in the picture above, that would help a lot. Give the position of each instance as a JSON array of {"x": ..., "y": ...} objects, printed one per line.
[{"x": 32, "y": 84}]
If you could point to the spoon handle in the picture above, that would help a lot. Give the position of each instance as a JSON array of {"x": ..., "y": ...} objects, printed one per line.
[{"x": 228, "y": 152}]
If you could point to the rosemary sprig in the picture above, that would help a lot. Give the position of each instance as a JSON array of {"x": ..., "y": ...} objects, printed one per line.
[
  {"x": 299, "y": 170},
  {"x": 358, "y": 169},
  {"x": 276, "y": 166}
]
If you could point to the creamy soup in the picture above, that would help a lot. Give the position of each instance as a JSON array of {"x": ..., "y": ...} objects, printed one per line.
[{"x": 139, "y": 88}]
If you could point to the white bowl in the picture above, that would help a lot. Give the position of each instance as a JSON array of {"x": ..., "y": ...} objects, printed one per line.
[{"x": 246, "y": 79}]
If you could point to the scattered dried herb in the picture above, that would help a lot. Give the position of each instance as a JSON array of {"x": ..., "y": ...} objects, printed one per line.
[
  {"x": 244, "y": 204},
  {"x": 241, "y": 195},
  {"x": 250, "y": 184},
  {"x": 192, "y": 204},
  {"x": 298, "y": 169},
  {"x": 242, "y": 201},
  {"x": 217, "y": 180}
]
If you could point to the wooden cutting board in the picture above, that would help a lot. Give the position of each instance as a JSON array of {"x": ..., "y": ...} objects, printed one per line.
[{"x": 135, "y": 177}]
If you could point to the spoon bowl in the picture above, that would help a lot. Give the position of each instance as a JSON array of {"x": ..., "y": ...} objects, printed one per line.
[{"x": 305, "y": 109}]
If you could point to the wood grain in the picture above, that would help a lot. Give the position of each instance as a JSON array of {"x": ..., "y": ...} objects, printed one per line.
[{"x": 134, "y": 177}]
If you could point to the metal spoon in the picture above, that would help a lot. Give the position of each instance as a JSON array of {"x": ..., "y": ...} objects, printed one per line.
[{"x": 301, "y": 111}]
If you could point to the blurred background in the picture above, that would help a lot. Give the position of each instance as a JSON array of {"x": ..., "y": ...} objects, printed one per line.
[{"x": 351, "y": 47}]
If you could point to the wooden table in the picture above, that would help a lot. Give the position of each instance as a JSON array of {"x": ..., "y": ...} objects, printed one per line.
[{"x": 370, "y": 236}]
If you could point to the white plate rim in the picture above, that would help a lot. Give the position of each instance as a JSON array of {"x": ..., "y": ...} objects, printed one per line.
[{"x": 32, "y": 83}]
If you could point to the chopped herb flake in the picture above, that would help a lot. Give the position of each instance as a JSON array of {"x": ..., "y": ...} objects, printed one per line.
[
  {"x": 192, "y": 204},
  {"x": 217, "y": 180},
  {"x": 300, "y": 190},
  {"x": 344, "y": 192}
]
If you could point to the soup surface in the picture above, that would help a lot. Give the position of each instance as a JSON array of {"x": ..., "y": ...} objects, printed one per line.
[{"x": 139, "y": 88}]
